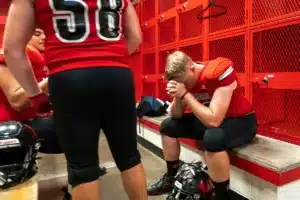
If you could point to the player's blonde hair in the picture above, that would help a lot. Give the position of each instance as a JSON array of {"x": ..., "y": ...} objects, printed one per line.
[{"x": 175, "y": 66}]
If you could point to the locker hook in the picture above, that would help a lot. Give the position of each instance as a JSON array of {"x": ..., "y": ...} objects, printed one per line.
[{"x": 212, "y": 3}]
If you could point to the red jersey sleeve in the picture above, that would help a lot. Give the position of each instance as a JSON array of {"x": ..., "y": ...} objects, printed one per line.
[
  {"x": 221, "y": 71},
  {"x": 2, "y": 59}
]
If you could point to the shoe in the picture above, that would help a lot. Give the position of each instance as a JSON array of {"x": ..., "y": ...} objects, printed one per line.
[
  {"x": 163, "y": 185},
  {"x": 102, "y": 171},
  {"x": 67, "y": 195}
]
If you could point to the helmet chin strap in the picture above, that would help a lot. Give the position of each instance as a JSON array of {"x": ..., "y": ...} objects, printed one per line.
[{"x": 177, "y": 195}]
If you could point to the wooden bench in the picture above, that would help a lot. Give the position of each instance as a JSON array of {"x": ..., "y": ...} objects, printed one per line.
[{"x": 266, "y": 169}]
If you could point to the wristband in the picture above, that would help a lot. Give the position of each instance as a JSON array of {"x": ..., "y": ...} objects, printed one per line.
[{"x": 183, "y": 95}]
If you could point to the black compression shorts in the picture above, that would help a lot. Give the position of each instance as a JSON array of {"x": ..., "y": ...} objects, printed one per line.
[
  {"x": 232, "y": 133},
  {"x": 86, "y": 101}
]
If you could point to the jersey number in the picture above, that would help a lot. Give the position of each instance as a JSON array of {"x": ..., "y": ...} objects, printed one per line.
[{"x": 72, "y": 23}]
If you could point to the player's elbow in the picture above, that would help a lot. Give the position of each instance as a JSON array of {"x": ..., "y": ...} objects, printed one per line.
[
  {"x": 213, "y": 124},
  {"x": 7, "y": 50},
  {"x": 176, "y": 114},
  {"x": 215, "y": 121},
  {"x": 12, "y": 52},
  {"x": 8, "y": 46}
]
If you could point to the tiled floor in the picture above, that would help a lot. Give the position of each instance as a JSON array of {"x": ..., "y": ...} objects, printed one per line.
[{"x": 51, "y": 183}]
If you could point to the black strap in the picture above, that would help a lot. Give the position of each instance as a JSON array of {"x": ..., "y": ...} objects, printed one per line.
[{"x": 212, "y": 4}]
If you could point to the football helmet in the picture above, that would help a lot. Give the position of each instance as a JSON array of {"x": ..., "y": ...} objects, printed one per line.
[
  {"x": 18, "y": 149},
  {"x": 192, "y": 182}
]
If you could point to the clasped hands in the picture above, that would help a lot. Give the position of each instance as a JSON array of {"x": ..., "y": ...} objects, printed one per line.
[{"x": 175, "y": 89}]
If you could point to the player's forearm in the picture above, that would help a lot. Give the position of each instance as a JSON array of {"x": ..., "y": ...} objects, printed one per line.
[
  {"x": 203, "y": 113},
  {"x": 44, "y": 85},
  {"x": 132, "y": 29},
  {"x": 20, "y": 67},
  {"x": 177, "y": 108},
  {"x": 132, "y": 44}
]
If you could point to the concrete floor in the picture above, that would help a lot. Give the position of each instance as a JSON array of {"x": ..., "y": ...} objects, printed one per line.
[{"x": 52, "y": 174}]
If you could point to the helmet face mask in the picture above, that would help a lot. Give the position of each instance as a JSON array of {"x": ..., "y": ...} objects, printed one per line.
[
  {"x": 18, "y": 149},
  {"x": 192, "y": 182}
]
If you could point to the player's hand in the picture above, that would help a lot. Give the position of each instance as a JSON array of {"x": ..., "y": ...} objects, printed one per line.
[
  {"x": 41, "y": 104},
  {"x": 171, "y": 86},
  {"x": 175, "y": 89}
]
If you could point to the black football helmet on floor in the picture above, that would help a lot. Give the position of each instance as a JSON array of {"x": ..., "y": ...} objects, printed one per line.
[
  {"x": 18, "y": 149},
  {"x": 192, "y": 182}
]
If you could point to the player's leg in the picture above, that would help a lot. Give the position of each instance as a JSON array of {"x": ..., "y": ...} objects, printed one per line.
[
  {"x": 77, "y": 122},
  {"x": 119, "y": 125},
  {"x": 233, "y": 133},
  {"x": 172, "y": 129}
]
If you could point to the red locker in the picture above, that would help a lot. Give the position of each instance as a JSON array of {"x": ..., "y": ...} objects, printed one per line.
[{"x": 261, "y": 37}]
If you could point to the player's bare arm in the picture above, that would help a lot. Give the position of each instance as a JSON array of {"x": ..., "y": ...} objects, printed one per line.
[
  {"x": 13, "y": 91},
  {"x": 213, "y": 115},
  {"x": 177, "y": 106},
  {"x": 19, "y": 28},
  {"x": 132, "y": 28}
]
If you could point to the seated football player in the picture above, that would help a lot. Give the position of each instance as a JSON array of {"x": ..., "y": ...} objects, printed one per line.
[
  {"x": 209, "y": 105},
  {"x": 14, "y": 103}
]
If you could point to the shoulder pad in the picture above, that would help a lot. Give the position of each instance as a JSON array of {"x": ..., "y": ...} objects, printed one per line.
[{"x": 219, "y": 68}]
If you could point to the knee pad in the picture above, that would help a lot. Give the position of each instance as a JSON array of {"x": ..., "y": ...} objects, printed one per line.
[
  {"x": 213, "y": 140},
  {"x": 164, "y": 126},
  {"x": 167, "y": 128},
  {"x": 80, "y": 175},
  {"x": 127, "y": 162}
]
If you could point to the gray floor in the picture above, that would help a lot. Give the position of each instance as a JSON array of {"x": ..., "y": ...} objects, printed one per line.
[{"x": 52, "y": 174}]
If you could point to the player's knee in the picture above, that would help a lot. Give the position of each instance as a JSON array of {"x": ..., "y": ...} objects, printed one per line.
[
  {"x": 128, "y": 161},
  {"x": 213, "y": 140},
  {"x": 78, "y": 175},
  {"x": 166, "y": 127}
]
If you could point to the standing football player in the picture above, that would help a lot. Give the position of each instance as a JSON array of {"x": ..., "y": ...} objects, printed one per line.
[{"x": 90, "y": 84}]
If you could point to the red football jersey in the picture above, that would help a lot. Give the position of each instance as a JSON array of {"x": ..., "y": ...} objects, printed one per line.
[
  {"x": 38, "y": 64},
  {"x": 218, "y": 73},
  {"x": 82, "y": 34}
]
